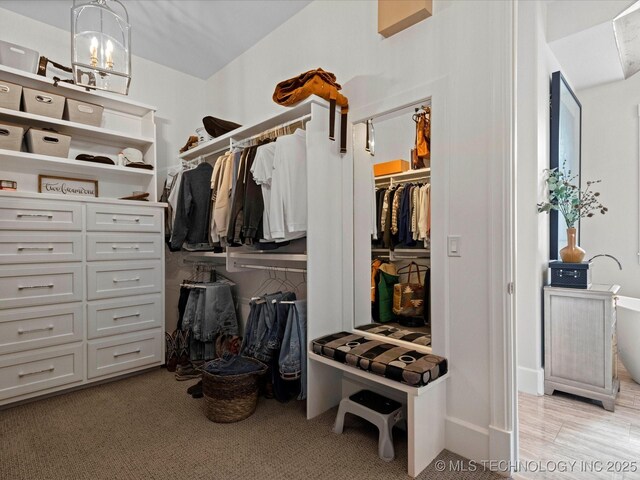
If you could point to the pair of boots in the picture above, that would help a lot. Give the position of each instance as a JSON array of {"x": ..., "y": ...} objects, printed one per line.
[{"x": 176, "y": 349}]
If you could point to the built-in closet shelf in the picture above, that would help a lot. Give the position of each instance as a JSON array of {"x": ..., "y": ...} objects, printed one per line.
[
  {"x": 224, "y": 141},
  {"x": 112, "y": 102},
  {"x": 97, "y": 135},
  {"x": 406, "y": 176},
  {"x": 10, "y": 160},
  {"x": 269, "y": 257}
]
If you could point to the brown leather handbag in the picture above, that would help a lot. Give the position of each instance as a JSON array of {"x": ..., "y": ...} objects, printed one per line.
[
  {"x": 421, "y": 154},
  {"x": 321, "y": 83},
  {"x": 408, "y": 298}
]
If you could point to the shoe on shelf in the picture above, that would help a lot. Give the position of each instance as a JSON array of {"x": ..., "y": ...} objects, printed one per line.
[{"x": 192, "y": 142}]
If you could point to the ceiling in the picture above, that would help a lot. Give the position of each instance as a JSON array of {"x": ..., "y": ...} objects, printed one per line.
[
  {"x": 580, "y": 34},
  {"x": 197, "y": 37}
]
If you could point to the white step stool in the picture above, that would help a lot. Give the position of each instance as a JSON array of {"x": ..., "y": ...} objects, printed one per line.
[{"x": 383, "y": 412}]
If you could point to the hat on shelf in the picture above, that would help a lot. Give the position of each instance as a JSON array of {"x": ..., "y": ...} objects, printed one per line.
[
  {"x": 216, "y": 126},
  {"x": 95, "y": 158},
  {"x": 133, "y": 158}
]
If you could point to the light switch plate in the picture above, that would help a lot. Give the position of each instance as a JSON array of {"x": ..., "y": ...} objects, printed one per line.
[{"x": 454, "y": 245}]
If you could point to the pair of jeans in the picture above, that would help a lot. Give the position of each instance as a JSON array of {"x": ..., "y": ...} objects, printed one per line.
[
  {"x": 270, "y": 328},
  {"x": 233, "y": 365},
  {"x": 293, "y": 354}
]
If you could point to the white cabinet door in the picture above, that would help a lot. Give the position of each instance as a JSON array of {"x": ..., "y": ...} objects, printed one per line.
[
  {"x": 117, "y": 218},
  {"x": 40, "y": 285},
  {"x": 36, "y": 327},
  {"x": 30, "y": 372},
  {"x": 29, "y": 247},
  {"x": 103, "y": 246},
  {"x": 39, "y": 215},
  {"x": 125, "y": 352},
  {"x": 122, "y": 315},
  {"x": 110, "y": 279}
]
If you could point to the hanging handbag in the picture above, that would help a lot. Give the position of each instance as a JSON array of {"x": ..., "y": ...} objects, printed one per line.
[
  {"x": 388, "y": 279},
  {"x": 408, "y": 298},
  {"x": 422, "y": 150},
  {"x": 316, "y": 82}
]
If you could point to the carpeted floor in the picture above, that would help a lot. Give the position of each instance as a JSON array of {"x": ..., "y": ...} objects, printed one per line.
[{"x": 147, "y": 427}]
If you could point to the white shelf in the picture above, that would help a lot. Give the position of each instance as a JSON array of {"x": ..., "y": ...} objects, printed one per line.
[
  {"x": 107, "y": 100},
  {"x": 95, "y": 134},
  {"x": 10, "y": 160},
  {"x": 408, "y": 175},
  {"x": 270, "y": 257},
  {"x": 220, "y": 143}
]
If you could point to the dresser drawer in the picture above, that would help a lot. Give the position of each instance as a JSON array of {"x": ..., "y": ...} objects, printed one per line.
[
  {"x": 36, "y": 327},
  {"x": 109, "y": 279},
  {"x": 25, "y": 373},
  {"x": 39, "y": 285},
  {"x": 116, "y": 218},
  {"x": 123, "y": 247},
  {"x": 112, "y": 317},
  {"x": 36, "y": 215},
  {"x": 124, "y": 353},
  {"x": 40, "y": 247}
]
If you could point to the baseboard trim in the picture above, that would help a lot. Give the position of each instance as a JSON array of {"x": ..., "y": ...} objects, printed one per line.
[
  {"x": 531, "y": 380},
  {"x": 466, "y": 439},
  {"x": 502, "y": 450}
]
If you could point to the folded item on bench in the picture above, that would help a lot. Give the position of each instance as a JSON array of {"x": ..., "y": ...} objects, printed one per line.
[{"x": 388, "y": 360}]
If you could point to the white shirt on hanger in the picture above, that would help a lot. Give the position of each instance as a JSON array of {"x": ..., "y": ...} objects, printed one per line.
[
  {"x": 262, "y": 170},
  {"x": 288, "y": 202}
]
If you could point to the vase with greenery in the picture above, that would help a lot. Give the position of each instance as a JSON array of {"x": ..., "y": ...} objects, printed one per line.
[{"x": 573, "y": 204}]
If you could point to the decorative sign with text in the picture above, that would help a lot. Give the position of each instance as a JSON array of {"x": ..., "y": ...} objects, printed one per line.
[{"x": 78, "y": 187}]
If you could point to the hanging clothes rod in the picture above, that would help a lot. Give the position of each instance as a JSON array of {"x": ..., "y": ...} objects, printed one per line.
[
  {"x": 242, "y": 142},
  {"x": 274, "y": 269}
]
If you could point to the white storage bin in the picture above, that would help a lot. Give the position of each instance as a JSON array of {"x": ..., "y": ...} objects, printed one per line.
[
  {"x": 42, "y": 103},
  {"x": 10, "y": 95},
  {"x": 11, "y": 136},
  {"x": 83, "y": 112},
  {"x": 15, "y": 56},
  {"x": 48, "y": 143}
]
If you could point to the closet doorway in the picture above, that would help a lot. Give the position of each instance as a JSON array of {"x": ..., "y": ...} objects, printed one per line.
[{"x": 392, "y": 223}]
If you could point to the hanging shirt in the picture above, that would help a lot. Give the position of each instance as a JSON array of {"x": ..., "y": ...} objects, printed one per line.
[
  {"x": 262, "y": 171},
  {"x": 288, "y": 205}
]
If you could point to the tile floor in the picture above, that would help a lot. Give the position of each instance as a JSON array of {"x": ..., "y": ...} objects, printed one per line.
[{"x": 566, "y": 428}]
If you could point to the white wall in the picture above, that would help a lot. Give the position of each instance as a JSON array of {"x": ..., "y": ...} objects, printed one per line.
[
  {"x": 178, "y": 97},
  {"x": 468, "y": 43},
  {"x": 536, "y": 63},
  {"x": 610, "y": 154}
]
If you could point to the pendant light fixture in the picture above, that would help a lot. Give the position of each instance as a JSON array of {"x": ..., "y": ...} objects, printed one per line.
[{"x": 101, "y": 45}]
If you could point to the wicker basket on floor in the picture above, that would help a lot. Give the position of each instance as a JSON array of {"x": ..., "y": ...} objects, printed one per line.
[{"x": 231, "y": 398}]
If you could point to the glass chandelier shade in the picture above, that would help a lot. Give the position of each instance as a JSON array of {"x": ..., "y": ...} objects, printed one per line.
[{"x": 101, "y": 45}]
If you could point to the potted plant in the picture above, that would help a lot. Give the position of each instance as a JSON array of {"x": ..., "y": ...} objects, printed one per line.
[{"x": 573, "y": 203}]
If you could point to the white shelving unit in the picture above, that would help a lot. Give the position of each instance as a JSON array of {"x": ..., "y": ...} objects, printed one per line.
[
  {"x": 81, "y": 278},
  {"x": 407, "y": 176},
  {"x": 125, "y": 123}
]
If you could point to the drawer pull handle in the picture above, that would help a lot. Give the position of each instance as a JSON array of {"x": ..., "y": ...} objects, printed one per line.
[
  {"x": 4, "y": 89},
  {"x": 116, "y": 355},
  {"x": 44, "y": 99},
  {"x": 118, "y": 317},
  {"x": 36, "y": 215},
  {"x": 115, "y": 219},
  {"x": 25, "y": 287},
  {"x": 50, "y": 369},
  {"x": 116, "y": 247},
  {"x": 22, "y": 249},
  {"x": 134, "y": 279},
  {"x": 44, "y": 329}
]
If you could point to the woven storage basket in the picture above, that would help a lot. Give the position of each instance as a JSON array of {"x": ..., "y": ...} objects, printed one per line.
[{"x": 231, "y": 398}]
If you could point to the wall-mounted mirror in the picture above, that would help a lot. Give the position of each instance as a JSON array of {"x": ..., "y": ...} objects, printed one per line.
[
  {"x": 392, "y": 240},
  {"x": 565, "y": 139}
]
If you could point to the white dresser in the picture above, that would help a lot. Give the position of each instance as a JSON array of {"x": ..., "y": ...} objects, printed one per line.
[{"x": 81, "y": 292}]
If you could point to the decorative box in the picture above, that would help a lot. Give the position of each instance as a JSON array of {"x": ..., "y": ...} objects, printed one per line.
[
  {"x": 10, "y": 95},
  {"x": 570, "y": 275},
  {"x": 389, "y": 168},
  {"x": 11, "y": 136},
  {"x": 42, "y": 103},
  {"x": 43, "y": 142},
  {"x": 82, "y": 112},
  {"x": 15, "y": 56}
]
